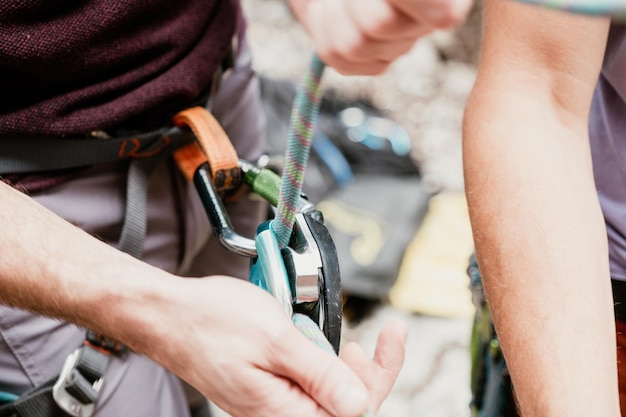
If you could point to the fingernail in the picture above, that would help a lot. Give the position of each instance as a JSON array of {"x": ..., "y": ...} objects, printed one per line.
[{"x": 350, "y": 400}]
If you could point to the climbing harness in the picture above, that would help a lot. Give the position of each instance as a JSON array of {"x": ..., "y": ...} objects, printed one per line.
[
  {"x": 298, "y": 265},
  {"x": 614, "y": 8}
]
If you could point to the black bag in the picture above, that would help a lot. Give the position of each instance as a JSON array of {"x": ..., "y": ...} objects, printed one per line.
[
  {"x": 492, "y": 390},
  {"x": 362, "y": 177}
]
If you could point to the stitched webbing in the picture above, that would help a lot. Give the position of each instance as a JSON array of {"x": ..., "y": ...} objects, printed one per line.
[
  {"x": 212, "y": 146},
  {"x": 21, "y": 155}
]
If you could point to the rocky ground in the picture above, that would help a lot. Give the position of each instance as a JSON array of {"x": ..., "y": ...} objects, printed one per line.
[{"x": 425, "y": 91}]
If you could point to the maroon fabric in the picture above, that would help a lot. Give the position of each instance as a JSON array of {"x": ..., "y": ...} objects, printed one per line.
[{"x": 73, "y": 66}]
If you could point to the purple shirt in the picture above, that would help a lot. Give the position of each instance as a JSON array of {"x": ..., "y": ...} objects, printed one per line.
[
  {"x": 73, "y": 66},
  {"x": 607, "y": 127}
]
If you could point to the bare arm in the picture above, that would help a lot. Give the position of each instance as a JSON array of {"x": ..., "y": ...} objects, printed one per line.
[
  {"x": 538, "y": 229},
  {"x": 228, "y": 338}
]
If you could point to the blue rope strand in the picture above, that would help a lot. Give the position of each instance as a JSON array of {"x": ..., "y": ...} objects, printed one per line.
[{"x": 614, "y": 8}]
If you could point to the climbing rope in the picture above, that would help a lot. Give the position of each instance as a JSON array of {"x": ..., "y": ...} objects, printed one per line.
[
  {"x": 613, "y": 8},
  {"x": 301, "y": 127}
]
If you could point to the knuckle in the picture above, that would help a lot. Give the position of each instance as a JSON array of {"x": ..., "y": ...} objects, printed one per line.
[
  {"x": 378, "y": 25},
  {"x": 353, "y": 47},
  {"x": 319, "y": 379},
  {"x": 450, "y": 14}
]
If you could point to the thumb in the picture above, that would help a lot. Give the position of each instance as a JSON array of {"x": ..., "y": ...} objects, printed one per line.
[
  {"x": 379, "y": 374},
  {"x": 390, "y": 349},
  {"x": 321, "y": 374}
]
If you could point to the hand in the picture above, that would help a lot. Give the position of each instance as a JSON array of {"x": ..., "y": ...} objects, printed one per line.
[
  {"x": 233, "y": 342},
  {"x": 363, "y": 37}
]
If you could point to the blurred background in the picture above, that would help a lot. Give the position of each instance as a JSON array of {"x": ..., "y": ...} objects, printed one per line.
[{"x": 397, "y": 211}]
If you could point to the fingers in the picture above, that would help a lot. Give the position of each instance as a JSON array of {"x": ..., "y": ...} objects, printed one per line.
[
  {"x": 321, "y": 374},
  {"x": 440, "y": 14},
  {"x": 358, "y": 37},
  {"x": 390, "y": 348},
  {"x": 263, "y": 394},
  {"x": 381, "y": 21}
]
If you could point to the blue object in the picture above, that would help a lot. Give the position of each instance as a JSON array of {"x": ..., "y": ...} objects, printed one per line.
[
  {"x": 375, "y": 131},
  {"x": 613, "y": 8},
  {"x": 268, "y": 269},
  {"x": 332, "y": 158},
  {"x": 7, "y": 397}
]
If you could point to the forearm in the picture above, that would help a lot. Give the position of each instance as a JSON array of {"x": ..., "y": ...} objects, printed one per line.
[
  {"x": 542, "y": 250},
  {"x": 53, "y": 268}
]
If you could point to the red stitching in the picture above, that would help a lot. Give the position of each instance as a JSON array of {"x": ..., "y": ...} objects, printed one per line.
[{"x": 135, "y": 152}]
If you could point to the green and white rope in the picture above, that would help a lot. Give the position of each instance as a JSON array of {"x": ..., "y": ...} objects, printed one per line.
[{"x": 301, "y": 127}]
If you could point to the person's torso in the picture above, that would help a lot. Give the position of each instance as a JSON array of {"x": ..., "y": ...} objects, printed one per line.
[
  {"x": 607, "y": 127},
  {"x": 73, "y": 66}
]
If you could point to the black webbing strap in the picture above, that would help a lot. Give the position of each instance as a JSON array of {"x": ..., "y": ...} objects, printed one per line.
[
  {"x": 37, "y": 402},
  {"x": 20, "y": 155}
]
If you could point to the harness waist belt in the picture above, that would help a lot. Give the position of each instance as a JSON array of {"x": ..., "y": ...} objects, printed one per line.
[{"x": 21, "y": 155}]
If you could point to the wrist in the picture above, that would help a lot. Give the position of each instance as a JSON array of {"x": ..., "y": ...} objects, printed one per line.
[{"x": 125, "y": 300}]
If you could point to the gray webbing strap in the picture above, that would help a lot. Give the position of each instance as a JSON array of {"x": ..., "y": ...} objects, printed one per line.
[{"x": 134, "y": 228}]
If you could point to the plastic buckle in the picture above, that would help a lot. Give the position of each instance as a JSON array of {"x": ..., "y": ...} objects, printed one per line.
[{"x": 69, "y": 377}]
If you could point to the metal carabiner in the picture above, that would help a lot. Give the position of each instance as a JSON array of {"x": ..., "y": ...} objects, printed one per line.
[
  {"x": 304, "y": 276},
  {"x": 220, "y": 222}
]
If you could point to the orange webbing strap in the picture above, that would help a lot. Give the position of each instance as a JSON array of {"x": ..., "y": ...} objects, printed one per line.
[{"x": 212, "y": 146}]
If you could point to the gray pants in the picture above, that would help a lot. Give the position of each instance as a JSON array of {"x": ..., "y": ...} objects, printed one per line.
[{"x": 179, "y": 240}]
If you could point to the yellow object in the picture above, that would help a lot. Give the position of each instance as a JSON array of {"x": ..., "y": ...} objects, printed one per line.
[{"x": 432, "y": 278}]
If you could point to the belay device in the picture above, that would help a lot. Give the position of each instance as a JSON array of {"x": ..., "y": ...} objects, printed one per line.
[
  {"x": 303, "y": 276},
  {"x": 293, "y": 256}
]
